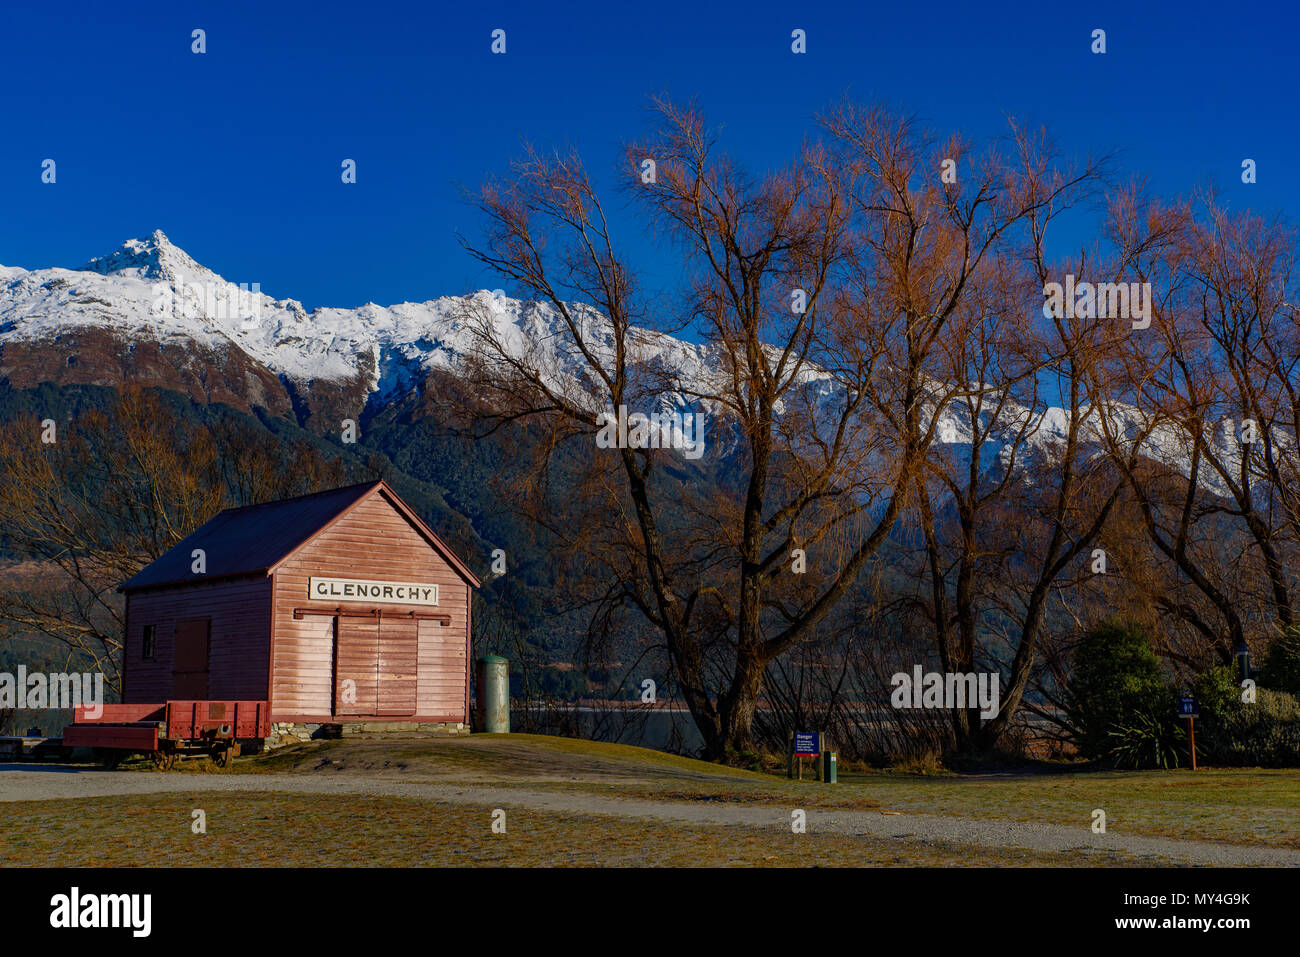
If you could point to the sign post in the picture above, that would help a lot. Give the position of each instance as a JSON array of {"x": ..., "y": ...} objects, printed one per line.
[
  {"x": 1188, "y": 709},
  {"x": 803, "y": 744}
]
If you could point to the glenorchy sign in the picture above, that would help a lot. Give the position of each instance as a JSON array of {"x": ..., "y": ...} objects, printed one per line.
[{"x": 356, "y": 589}]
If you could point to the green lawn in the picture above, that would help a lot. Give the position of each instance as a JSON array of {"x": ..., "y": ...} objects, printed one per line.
[{"x": 1238, "y": 806}]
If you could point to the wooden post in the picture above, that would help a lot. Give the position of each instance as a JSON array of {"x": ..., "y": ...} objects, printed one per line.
[{"x": 1191, "y": 738}]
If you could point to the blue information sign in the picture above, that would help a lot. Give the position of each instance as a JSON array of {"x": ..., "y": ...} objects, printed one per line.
[
  {"x": 1187, "y": 707},
  {"x": 805, "y": 743}
]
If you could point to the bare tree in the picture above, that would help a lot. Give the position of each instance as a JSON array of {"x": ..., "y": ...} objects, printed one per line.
[
  {"x": 85, "y": 504},
  {"x": 1213, "y": 382},
  {"x": 820, "y": 294}
]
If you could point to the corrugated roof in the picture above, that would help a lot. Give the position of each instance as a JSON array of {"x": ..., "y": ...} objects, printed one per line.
[{"x": 250, "y": 539}]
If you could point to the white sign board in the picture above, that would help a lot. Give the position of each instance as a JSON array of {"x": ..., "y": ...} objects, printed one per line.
[{"x": 357, "y": 589}]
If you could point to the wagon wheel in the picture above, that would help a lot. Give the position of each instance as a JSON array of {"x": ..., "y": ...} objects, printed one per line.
[
  {"x": 163, "y": 760},
  {"x": 221, "y": 756}
]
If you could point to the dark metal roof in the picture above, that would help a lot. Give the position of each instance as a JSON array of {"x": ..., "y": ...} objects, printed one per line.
[{"x": 248, "y": 540}]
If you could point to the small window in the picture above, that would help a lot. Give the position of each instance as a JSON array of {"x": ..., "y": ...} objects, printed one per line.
[{"x": 149, "y": 631}]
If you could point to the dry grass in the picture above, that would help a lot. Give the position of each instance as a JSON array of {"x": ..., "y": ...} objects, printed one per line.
[
  {"x": 1240, "y": 806},
  {"x": 261, "y": 829}
]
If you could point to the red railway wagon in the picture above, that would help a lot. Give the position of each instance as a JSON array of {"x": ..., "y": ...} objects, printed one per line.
[
  {"x": 164, "y": 731},
  {"x": 337, "y": 608}
]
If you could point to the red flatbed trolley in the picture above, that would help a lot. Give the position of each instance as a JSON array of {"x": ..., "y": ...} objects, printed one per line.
[{"x": 163, "y": 731}]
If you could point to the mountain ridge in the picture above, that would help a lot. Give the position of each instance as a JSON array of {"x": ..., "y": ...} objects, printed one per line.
[{"x": 149, "y": 312}]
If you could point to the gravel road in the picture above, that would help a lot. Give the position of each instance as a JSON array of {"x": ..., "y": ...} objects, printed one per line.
[{"x": 22, "y": 783}]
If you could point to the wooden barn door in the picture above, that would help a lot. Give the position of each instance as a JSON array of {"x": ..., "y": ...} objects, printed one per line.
[
  {"x": 356, "y": 666},
  {"x": 190, "y": 662},
  {"x": 397, "y": 666}
]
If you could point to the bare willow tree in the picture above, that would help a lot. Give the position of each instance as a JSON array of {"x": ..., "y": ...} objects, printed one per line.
[
  {"x": 1213, "y": 383},
  {"x": 819, "y": 295},
  {"x": 1016, "y": 494},
  {"x": 88, "y": 502}
]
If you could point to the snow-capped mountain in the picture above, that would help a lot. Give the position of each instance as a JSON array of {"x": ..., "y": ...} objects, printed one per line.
[
  {"x": 151, "y": 293},
  {"x": 149, "y": 312}
]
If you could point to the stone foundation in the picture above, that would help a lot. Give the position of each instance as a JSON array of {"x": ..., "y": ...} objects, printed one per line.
[{"x": 286, "y": 733}]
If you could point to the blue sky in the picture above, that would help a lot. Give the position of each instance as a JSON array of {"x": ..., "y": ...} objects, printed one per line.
[{"x": 236, "y": 153}]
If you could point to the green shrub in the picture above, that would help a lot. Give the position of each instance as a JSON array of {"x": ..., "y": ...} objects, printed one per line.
[
  {"x": 1232, "y": 733},
  {"x": 1147, "y": 739},
  {"x": 1118, "y": 702},
  {"x": 1281, "y": 671},
  {"x": 1217, "y": 690}
]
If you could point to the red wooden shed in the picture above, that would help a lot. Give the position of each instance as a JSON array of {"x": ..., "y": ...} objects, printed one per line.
[{"x": 341, "y": 607}]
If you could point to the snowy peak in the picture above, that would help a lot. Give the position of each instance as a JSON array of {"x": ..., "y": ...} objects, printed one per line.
[
  {"x": 154, "y": 258},
  {"x": 151, "y": 291}
]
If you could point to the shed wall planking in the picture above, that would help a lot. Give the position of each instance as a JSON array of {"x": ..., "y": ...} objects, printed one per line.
[
  {"x": 424, "y": 670},
  {"x": 239, "y": 642}
]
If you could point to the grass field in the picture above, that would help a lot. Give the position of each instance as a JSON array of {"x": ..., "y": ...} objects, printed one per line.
[
  {"x": 281, "y": 830},
  {"x": 1240, "y": 806},
  {"x": 440, "y": 813}
]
